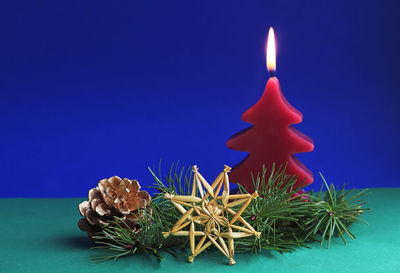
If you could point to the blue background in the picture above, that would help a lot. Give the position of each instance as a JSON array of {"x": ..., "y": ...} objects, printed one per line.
[{"x": 91, "y": 89}]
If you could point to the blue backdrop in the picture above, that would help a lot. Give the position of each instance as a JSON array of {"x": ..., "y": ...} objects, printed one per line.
[{"x": 91, "y": 89}]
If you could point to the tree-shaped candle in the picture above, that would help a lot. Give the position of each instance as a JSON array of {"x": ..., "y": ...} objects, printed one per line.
[{"x": 271, "y": 139}]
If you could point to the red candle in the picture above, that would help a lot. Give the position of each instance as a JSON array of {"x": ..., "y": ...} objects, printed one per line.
[{"x": 271, "y": 139}]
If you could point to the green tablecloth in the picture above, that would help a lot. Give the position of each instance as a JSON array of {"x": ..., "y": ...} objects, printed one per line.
[{"x": 41, "y": 235}]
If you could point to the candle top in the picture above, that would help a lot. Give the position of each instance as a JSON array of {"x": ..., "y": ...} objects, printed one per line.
[{"x": 271, "y": 51}]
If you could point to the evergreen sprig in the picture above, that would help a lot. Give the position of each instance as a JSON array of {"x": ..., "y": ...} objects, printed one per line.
[
  {"x": 285, "y": 216},
  {"x": 277, "y": 213},
  {"x": 119, "y": 239},
  {"x": 334, "y": 211}
]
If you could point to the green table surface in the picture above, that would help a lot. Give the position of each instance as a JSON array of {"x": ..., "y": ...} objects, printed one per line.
[{"x": 41, "y": 235}]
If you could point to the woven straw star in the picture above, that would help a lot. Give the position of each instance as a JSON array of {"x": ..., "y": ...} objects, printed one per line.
[{"x": 213, "y": 214}]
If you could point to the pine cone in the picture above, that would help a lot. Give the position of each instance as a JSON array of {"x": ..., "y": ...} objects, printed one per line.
[{"x": 113, "y": 197}]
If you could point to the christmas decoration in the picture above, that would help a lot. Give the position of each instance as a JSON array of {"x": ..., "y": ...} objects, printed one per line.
[
  {"x": 113, "y": 197},
  {"x": 189, "y": 212},
  {"x": 271, "y": 139},
  {"x": 213, "y": 214}
]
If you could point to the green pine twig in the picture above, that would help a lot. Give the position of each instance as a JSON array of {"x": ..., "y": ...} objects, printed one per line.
[{"x": 334, "y": 211}]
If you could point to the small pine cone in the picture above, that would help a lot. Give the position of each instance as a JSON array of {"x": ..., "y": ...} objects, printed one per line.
[
  {"x": 123, "y": 195},
  {"x": 114, "y": 197}
]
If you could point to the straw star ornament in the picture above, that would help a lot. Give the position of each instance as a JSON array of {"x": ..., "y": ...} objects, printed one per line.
[{"x": 213, "y": 214}]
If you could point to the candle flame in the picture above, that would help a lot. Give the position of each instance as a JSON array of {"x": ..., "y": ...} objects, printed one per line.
[{"x": 271, "y": 51}]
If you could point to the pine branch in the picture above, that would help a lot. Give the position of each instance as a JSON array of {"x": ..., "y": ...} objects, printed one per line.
[
  {"x": 333, "y": 212},
  {"x": 286, "y": 222},
  {"x": 277, "y": 214},
  {"x": 119, "y": 239}
]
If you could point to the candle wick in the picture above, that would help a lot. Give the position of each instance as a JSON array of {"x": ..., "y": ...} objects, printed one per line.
[{"x": 272, "y": 73}]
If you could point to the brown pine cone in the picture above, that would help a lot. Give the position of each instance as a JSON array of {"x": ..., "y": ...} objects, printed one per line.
[{"x": 113, "y": 197}]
